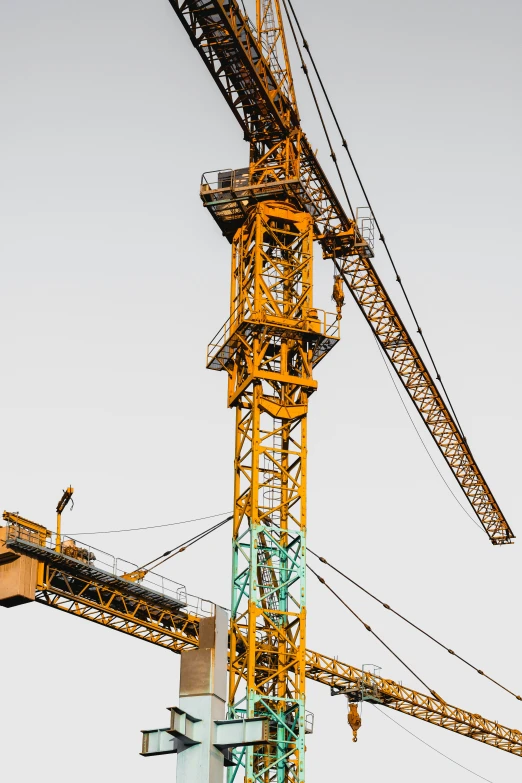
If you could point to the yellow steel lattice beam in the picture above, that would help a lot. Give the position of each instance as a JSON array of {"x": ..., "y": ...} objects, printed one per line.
[
  {"x": 369, "y": 293},
  {"x": 177, "y": 629},
  {"x": 174, "y": 630},
  {"x": 145, "y": 622},
  {"x": 281, "y": 152},
  {"x": 350, "y": 680}
]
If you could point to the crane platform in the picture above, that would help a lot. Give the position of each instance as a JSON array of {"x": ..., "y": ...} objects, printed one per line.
[
  {"x": 171, "y": 598},
  {"x": 229, "y": 193},
  {"x": 156, "y": 609},
  {"x": 322, "y": 331}
]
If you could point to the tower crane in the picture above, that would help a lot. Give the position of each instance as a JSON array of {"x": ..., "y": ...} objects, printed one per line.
[
  {"x": 160, "y": 611},
  {"x": 272, "y": 212}
]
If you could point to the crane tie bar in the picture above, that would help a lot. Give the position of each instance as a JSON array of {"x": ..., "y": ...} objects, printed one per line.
[
  {"x": 413, "y": 625},
  {"x": 369, "y": 628}
]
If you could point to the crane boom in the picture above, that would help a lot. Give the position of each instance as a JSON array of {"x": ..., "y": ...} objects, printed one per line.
[
  {"x": 360, "y": 685},
  {"x": 79, "y": 588},
  {"x": 264, "y": 106}
]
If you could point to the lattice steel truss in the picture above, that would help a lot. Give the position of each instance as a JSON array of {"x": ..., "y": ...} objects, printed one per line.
[
  {"x": 81, "y": 590},
  {"x": 241, "y": 59},
  {"x": 270, "y": 345}
]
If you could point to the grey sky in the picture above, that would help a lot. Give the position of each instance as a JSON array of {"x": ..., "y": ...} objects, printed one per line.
[{"x": 113, "y": 282}]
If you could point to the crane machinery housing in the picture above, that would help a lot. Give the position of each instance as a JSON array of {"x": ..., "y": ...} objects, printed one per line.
[{"x": 272, "y": 212}]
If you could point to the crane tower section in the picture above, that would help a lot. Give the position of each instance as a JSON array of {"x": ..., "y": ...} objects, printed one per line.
[{"x": 269, "y": 347}]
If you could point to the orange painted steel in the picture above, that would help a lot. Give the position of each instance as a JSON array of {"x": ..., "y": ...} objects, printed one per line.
[
  {"x": 262, "y": 100},
  {"x": 63, "y": 585}
]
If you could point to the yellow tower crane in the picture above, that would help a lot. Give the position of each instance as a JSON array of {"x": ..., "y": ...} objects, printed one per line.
[
  {"x": 88, "y": 584},
  {"x": 272, "y": 212}
]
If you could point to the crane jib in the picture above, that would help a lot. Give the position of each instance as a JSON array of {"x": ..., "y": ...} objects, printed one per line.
[
  {"x": 227, "y": 43},
  {"x": 73, "y": 586}
]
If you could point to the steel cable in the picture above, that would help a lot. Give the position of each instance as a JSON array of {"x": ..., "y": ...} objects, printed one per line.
[
  {"x": 430, "y": 746},
  {"x": 147, "y": 527},
  {"x": 370, "y": 629},
  {"x": 413, "y": 625},
  {"x": 182, "y": 547},
  {"x": 363, "y": 189},
  {"x": 323, "y": 123}
]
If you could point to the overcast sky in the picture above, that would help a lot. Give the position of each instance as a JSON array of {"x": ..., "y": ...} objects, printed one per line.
[{"x": 114, "y": 279}]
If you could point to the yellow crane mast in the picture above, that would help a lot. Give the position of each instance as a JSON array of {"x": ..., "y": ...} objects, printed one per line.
[
  {"x": 269, "y": 346},
  {"x": 272, "y": 212}
]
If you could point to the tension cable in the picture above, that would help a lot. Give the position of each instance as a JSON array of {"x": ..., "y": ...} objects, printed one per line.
[{"x": 413, "y": 625}]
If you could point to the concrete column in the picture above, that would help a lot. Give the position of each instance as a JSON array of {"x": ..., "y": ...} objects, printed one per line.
[{"x": 203, "y": 694}]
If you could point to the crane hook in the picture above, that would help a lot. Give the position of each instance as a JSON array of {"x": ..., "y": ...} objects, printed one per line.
[
  {"x": 354, "y": 719},
  {"x": 338, "y": 294}
]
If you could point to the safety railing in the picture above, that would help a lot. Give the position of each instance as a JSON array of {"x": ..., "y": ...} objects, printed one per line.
[
  {"x": 331, "y": 324},
  {"x": 226, "y": 185},
  {"x": 109, "y": 564},
  {"x": 366, "y": 687},
  {"x": 309, "y": 722},
  {"x": 222, "y": 185},
  {"x": 366, "y": 225},
  {"x": 14, "y": 530},
  {"x": 320, "y": 322},
  {"x": 222, "y": 337}
]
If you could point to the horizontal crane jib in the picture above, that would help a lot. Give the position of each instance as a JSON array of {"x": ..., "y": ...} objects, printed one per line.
[
  {"x": 358, "y": 685},
  {"x": 79, "y": 589}
]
